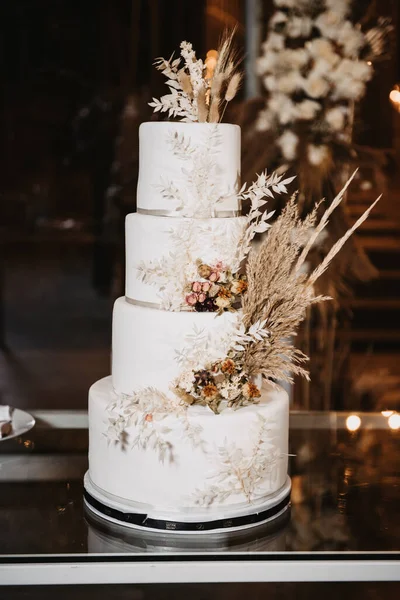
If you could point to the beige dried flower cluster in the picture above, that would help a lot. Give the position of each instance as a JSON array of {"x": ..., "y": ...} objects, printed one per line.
[
  {"x": 280, "y": 290},
  {"x": 197, "y": 93}
]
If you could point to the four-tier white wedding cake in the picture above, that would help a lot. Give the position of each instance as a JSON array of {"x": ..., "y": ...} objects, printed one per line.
[
  {"x": 157, "y": 458},
  {"x": 190, "y": 432}
]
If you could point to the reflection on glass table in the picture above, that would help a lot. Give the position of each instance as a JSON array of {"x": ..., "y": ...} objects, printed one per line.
[{"x": 344, "y": 514}]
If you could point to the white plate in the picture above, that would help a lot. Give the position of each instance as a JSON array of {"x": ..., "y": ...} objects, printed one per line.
[{"x": 21, "y": 423}]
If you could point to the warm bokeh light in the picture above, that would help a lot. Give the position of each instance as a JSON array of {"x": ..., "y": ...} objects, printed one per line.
[
  {"x": 387, "y": 413},
  {"x": 210, "y": 63},
  {"x": 394, "y": 95},
  {"x": 353, "y": 422},
  {"x": 394, "y": 421},
  {"x": 394, "y": 98}
]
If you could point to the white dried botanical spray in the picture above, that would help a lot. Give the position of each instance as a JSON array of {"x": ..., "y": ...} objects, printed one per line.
[{"x": 198, "y": 94}]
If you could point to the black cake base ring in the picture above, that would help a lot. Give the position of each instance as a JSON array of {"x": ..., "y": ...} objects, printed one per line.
[{"x": 275, "y": 507}]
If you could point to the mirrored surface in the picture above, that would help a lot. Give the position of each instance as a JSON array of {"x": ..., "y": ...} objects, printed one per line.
[{"x": 345, "y": 497}]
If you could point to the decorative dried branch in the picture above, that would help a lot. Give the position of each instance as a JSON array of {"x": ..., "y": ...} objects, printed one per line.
[
  {"x": 193, "y": 97},
  {"x": 280, "y": 290},
  {"x": 339, "y": 244},
  {"x": 265, "y": 186},
  {"x": 323, "y": 223}
]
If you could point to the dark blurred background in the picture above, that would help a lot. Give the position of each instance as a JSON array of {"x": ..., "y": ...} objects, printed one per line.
[{"x": 76, "y": 80}]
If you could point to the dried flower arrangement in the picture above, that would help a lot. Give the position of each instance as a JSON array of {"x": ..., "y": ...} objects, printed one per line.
[
  {"x": 198, "y": 94},
  {"x": 225, "y": 379},
  {"x": 188, "y": 282},
  {"x": 279, "y": 292},
  {"x": 315, "y": 63},
  {"x": 216, "y": 290}
]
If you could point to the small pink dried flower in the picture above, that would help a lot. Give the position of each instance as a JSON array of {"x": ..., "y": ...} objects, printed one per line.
[
  {"x": 202, "y": 297},
  {"x": 196, "y": 286},
  {"x": 191, "y": 299},
  {"x": 206, "y": 286},
  {"x": 214, "y": 276}
]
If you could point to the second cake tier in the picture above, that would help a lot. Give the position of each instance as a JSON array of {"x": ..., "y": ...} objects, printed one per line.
[
  {"x": 152, "y": 347},
  {"x": 162, "y": 254}
]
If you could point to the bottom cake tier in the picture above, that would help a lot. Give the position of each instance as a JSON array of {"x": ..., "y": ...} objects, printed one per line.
[{"x": 187, "y": 470}]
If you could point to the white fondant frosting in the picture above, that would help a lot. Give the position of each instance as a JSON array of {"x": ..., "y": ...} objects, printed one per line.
[
  {"x": 188, "y": 157},
  {"x": 148, "y": 451},
  {"x": 172, "y": 246},
  {"x": 231, "y": 442},
  {"x": 145, "y": 342}
]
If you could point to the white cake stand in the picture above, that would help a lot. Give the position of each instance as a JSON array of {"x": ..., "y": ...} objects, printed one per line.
[{"x": 185, "y": 522}]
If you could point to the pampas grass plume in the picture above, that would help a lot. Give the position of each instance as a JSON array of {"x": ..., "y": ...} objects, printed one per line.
[{"x": 233, "y": 87}]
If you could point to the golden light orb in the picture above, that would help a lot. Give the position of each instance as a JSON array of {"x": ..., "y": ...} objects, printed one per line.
[{"x": 353, "y": 422}]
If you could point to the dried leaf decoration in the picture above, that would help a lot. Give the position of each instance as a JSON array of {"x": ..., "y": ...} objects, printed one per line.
[{"x": 195, "y": 96}]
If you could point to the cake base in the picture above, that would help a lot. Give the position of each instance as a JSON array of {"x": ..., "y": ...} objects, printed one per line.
[
  {"x": 106, "y": 537},
  {"x": 116, "y": 510}
]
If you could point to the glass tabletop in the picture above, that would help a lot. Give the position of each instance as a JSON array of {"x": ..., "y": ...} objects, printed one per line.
[{"x": 343, "y": 523}]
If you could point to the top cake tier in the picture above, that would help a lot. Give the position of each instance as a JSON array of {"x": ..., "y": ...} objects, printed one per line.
[{"x": 189, "y": 169}]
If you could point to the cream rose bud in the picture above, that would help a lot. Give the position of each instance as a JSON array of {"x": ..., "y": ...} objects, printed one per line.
[
  {"x": 335, "y": 118},
  {"x": 328, "y": 23},
  {"x": 348, "y": 88},
  {"x": 222, "y": 302},
  {"x": 270, "y": 83},
  {"x": 340, "y": 7},
  {"x": 307, "y": 109},
  {"x": 315, "y": 86},
  {"x": 293, "y": 59},
  {"x": 275, "y": 42},
  {"x": 323, "y": 49},
  {"x": 235, "y": 287},
  {"x": 299, "y": 27},
  {"x": 266, "y": 63},
  {"x": 351, "y": 39},
  {"x": 265, "y": 120},
  {"x": 362, "y": 70},
  {"x": 289, "y": 83},
  {"x": 196, "y": 287},
  {"x": 283, "y": 108},
  {"x": 288, "y": 145},
  {"x": 317, "y": 154},
  {"x": 214, "y": 289}
]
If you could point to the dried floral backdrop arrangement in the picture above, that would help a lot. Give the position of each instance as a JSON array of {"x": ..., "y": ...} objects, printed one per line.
[{"x": 315, "y": 63}]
